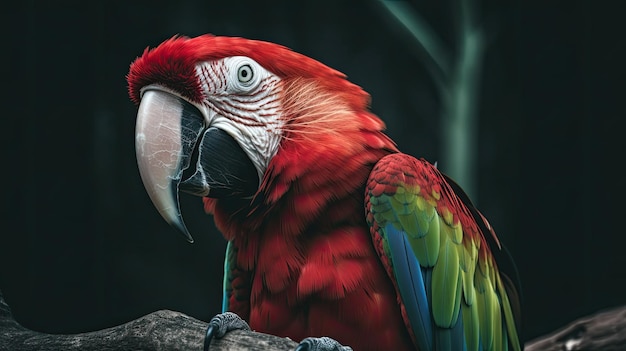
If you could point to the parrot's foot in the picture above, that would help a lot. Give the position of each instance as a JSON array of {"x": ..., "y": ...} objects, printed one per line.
[
  {"x": 222, "y": 324},
  {"x": 321, "y": 344}
]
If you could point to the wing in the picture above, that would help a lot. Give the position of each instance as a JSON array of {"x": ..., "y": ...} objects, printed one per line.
[
  {"x": 433, "y": 244},
  {"x": 236, "y": 296}
]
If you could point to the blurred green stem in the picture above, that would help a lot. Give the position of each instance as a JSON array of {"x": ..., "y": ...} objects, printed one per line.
[{"x": 457, "y": 78}]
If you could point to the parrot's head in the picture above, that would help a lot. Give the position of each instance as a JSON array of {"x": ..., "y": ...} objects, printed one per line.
[{"x": 214, "y": 111}]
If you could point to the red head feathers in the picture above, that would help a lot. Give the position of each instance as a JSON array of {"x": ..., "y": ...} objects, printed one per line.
[{"x": 174, "y": 62}]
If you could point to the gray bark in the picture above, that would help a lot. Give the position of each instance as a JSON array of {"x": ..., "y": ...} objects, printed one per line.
[
  {"x": 604, "y": 330},
  {"x": 162, "y": 330}
]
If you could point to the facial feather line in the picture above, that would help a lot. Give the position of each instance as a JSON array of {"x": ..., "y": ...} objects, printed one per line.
[{"x": 313, "y": 111}]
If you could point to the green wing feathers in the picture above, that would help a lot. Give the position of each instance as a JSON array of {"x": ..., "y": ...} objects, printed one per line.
[{"x": 461, "y": 278}]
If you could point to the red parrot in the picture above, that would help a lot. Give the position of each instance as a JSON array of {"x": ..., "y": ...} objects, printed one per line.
[{"x": 333, "y": 234}]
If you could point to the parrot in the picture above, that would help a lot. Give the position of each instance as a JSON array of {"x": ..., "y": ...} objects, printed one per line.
[{"x": 334, "y": 236}]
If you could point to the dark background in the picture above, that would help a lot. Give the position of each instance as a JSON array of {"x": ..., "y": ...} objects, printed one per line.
[{"x": 82, "y": 248}]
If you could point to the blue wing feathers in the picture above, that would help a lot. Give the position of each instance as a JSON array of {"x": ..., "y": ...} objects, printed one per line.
[
  {"x": 414, "y": 286},
  {"x": 452, "y": 339},
  {"x": 411, "y": 286}
]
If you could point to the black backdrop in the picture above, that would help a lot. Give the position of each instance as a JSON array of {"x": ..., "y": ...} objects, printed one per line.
[{"x": 82, "y": 248}]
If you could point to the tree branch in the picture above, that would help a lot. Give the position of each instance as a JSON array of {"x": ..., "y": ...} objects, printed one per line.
[
  {"x": 162, "y": 330},
  {"x": 605, "y": 331},
  {"x": 168, "y": 330}
]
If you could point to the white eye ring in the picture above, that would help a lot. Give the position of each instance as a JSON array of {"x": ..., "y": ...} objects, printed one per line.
[{"x": 245, "y": 74}]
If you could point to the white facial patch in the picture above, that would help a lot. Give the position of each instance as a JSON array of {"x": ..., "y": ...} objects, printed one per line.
[{"x": 243, "y": 99}]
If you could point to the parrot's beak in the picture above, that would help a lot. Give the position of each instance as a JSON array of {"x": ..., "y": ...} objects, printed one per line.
[{"x": 167, "y": 133}]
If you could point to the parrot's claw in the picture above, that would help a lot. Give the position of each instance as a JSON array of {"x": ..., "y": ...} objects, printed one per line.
[
  {"x": 222, "y": 324},
  {"x": 321, "y": 344}
]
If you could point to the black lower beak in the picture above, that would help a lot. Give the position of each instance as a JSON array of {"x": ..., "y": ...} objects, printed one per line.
[
  {"x": 223, "y": 168},
  {"x": 167, "y": 133}
]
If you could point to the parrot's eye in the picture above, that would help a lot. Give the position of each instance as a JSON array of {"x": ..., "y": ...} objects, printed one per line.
[{"x": 245, "y": 74}]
